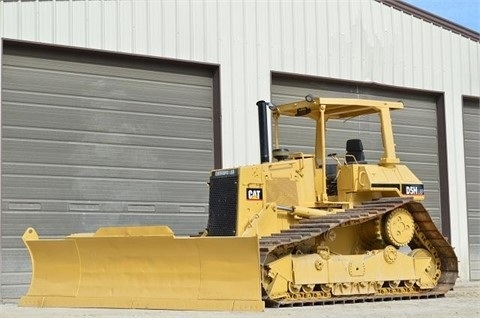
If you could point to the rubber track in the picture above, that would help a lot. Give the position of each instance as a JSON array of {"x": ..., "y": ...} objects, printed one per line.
[{"x": 285, "y": 241}]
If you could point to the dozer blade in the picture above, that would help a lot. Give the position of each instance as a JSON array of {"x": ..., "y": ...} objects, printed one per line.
[{"x": 144, "y": 267}]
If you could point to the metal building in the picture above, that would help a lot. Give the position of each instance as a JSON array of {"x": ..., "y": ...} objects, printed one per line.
[{"x": 114, "y": 111}]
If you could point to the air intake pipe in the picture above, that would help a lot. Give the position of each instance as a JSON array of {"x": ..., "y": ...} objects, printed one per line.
[{"x": 263, "y": 130}]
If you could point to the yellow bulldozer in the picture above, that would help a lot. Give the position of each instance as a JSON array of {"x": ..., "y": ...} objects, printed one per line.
[{"x": 297, "y": 229}]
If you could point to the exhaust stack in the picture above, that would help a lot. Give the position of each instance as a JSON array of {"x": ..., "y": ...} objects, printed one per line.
[{"x": 263, "y": 131}]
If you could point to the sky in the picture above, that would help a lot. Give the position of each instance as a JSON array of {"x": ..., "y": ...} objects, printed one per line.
[{"x": 463, "y": 12}]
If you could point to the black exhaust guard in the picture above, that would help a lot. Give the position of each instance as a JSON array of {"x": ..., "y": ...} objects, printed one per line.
[{"x": 263, "y": 131}]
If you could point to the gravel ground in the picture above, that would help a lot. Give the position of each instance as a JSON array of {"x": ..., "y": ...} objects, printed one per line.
[{"x": 463, "y": 301}]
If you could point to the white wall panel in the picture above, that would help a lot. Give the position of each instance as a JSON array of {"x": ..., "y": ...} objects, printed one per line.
[
  {"x": 334, "y": 19},
  {"x": 264, "y": 49},
  {"x": 356, "y": 40},
  {"x": 211, "y": 24},
  {"x": 426, "y": 55},
  {"x": 436, "y": 54},
  {"x": 285, "y": 29},
  {"x": 184, "y": 33},
  {"x": 44, "y": 27},
  {"x": 110, "y": 26},
  {"x": 28, "y": 20},
  {"x": 274, "y": 37},
  {"x": 369, "y": 48},
  {"x": 384, "y": 31},
  {"x": 10, "y": 20},
  {"x": 94, "y": 25},
  {"x": 474, "y": 67},
  {"x": 197, "y": 26},
  {"x": 237, "y": 36},
  {"x": 61, "y": 23},
  {"x": 398, "y": 53},
  {"x": 418, "y": 68},
  {"x": 309, "y": 36}
]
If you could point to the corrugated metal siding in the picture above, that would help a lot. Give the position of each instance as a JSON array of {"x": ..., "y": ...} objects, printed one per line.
[
  {"x": 414, "y": 127},
  {"x": 355, "y": 40},
  {"x": 91, "y": 140},
  {"x": 471, "y": 131}
]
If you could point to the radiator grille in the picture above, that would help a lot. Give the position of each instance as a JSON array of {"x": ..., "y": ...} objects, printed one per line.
[{"x": 222, "y": 215}]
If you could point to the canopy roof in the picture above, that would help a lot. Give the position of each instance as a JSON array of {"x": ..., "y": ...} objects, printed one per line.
[{"x": 335, "y": 108}]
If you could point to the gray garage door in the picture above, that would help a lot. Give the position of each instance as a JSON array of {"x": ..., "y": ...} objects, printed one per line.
[
  {"x": 94, "y": 139},
  {"x": 415, "y": 128},
  {"x": 471, "y": 130}
]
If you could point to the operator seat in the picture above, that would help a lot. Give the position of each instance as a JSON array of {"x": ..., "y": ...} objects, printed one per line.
[{"x": 354, "y": 150}]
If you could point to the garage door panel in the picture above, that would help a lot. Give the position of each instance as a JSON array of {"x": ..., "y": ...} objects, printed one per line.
[
  {"x": 369, "y": 121},
  {"x": 473, "y": 190},
  {"x": 84, "y": 107},
  {"x": 90, "y": 86},
  {"x": 16, "y": 261},
  {"x": 98, "y": 139},
  {"x": 16, "y": 278},
  {"x": 415, "y": 118},
  {"x": 93, "y": 208},
  {"x": 470, "y": 116},
  {"x": 471, "y": 132},
  {"x": 198, "y": 108},
  {"x": 373, "y": 91},
  {"x": 475, "y": 274},
  {"x": 472, "y": 169},
  {"x": 105, "y": 172},
  {"x": 39, "y": 187},
  {"x": 428, "y": 177},
  {"x": 418, "y": 158},
  {"x": 413, "y": 131},
  {"x": 473, "y": 225},
  {"x": 471, "y": 135},
  {"x": 104, "y": 121},
  {"x": 14, "y": 283},
  {"x": 134, "y": 69},
  {"x": 298, "y": 140},
  {"x": 294, "y": 88},
  {"x": 82, "y": 154},
  {"x": 473, "y": 149},
  {"x": 433, "y": 196},
  {"x": 60, "y": 135},
  {"x": 416, "y": 144}
]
